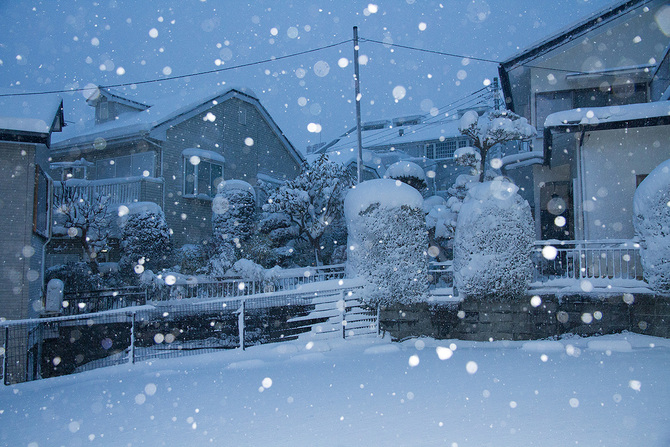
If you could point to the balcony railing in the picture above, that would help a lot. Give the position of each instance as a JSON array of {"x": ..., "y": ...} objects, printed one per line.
[
  {"x": 118, "y": 190},
  {"x": 607, "y": 259}
]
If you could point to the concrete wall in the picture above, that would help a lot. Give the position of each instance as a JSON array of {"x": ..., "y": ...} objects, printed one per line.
[{"x": 482, "y": 321}]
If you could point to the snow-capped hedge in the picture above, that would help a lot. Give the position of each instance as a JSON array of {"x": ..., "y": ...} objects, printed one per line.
[
  {"x": 387, "y": 241},
  {"x": 145, "y": 238},
  {"x": 408, "y": 172},
  {"x": 493, "y": 243},
  {"x": 651, "y": 208}
]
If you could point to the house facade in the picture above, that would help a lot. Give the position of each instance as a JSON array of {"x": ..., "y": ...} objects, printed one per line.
[
  {"x": 608, "y": 61},
  {"x": 26, "y": 125},
  {"x": 173, "y": 155},
  {"x": 428, "y": 142}
]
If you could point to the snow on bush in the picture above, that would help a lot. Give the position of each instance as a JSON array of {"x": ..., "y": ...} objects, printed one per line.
[
  {"x": 468, "y": 156},
  {"x": 493, "y": 243},
  {"x": 651, "y": 209},
  {"x": 145, "y": 238},
  {"x": 387, "y": 241},
  {"x": 494, "y": 127},
  {"x": 233, "y": 210},
  {"x": 408, "y": 172}
]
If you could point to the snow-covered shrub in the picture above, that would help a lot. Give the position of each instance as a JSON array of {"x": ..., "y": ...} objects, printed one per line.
[
  {"x": 76, "y": 277},
  {"x": 387, "y": 241},
  {"x": 494, "y": 127},
  {"x": 192, "y": 258},
  {"x": 408, "y": 172},
  {"x": 233, "y": 210},
  {"x": 468, "y": 156},
  {"x": 493, "y": 243},
  {"x": 651, "y": 209},
  {"x": 145, "y": 238}
]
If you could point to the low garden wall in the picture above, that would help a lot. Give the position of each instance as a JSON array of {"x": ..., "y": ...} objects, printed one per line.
[{"x": 533, "y": 318}]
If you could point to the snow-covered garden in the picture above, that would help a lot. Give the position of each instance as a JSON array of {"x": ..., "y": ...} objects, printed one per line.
[{"x": 609, "y": 391}]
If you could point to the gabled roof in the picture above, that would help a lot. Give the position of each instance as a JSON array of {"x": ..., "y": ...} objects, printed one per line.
[
  {"x": 163, "y": 114},
  {"x": 103, "y": 92},
  {"x": 29, "y": 117},
  {"x": 572, "y": 32}
]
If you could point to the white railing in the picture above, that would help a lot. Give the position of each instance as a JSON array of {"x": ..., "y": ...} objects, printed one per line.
[
  {"x": 612, "y": 259},
  {"x": 119, "y": 190}
]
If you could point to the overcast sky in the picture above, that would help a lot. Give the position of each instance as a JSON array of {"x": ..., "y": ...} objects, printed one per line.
[{"x": 52, "y": 45}]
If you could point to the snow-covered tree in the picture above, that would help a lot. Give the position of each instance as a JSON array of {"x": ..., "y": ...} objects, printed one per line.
[
  {"x": 408, "y": 172},
  {"x": 388, "y": 241},
  {"x": 233, "y": 210},
  {"x": 490, "y": 129},
  {"x": 145, "y": 238},
  {"x": 652, "y": 225},
  {"x": 313, "y": 200},
  {"x": 493, "y": 243},
  {"x": 85, "y": 216}
]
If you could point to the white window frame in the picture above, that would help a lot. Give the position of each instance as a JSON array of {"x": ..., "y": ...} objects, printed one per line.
[{"x": 205, "y": 157}]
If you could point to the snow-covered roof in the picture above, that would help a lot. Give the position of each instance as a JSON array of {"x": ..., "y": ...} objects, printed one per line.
[
  {"x": 24, "y": 114},
  {"x": 203, "y": 154},
  {"x": 373, "y": 160},
  {"x": 633, "y": 115},
  {"x": 397, "y": 135},
  {"x": 134, "y": 123},
  {"x": 572, "y": 31}
]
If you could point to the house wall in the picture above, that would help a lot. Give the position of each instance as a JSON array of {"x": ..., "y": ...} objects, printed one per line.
[
  {"x": 190, "y": 218},
  {"x": 21, "y": 278},
  {"x": 611, "y": 160}
]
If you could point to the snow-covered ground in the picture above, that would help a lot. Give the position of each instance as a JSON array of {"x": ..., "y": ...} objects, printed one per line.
[{"x": 610, "y": 391}]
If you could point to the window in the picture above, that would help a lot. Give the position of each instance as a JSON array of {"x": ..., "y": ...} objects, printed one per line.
[
  {"x": 441, "y": 150},
  {"x": 41, "y": 203},
  {"x": 203, "y": 171},
  {"x": 548, "y": 103},
  {"x": 135, "y": 165},
  {"x": 242, "y": 116}
]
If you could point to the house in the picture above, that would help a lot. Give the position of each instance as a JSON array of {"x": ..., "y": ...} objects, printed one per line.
[
  {"x": 173, "y": 152},
  {"x": 598, "y": 67},
  {"x": 428, "y": 141},
  {"x": 26, "y": 125}
]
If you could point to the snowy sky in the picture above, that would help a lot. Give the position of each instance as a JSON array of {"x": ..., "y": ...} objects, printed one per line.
[{"x": 53, "y": 45}]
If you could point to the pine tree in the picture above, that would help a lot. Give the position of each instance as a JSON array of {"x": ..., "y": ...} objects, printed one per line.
[{"x": 313, "y": 200}]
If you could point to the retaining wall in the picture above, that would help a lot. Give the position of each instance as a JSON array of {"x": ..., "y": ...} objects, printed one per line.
[{"x": 529, "y": 319}]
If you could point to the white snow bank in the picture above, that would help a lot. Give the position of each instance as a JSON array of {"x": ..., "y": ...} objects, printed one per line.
[
  {"x": 388, "y": 193},
  {"x": 597, "y": 115},
  {"x": 611, "y": 345},
  {"x": 433, "y": 201},
  {"x": 405, "y": 169},
  {"x": 381, "y": 349},
  {"x": 543, "y": 346}
]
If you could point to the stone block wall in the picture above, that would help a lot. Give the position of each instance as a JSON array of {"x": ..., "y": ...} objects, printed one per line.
[{"x": 534, "y": 318}]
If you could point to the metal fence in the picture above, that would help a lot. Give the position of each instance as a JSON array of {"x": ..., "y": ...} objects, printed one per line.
[
  {"x": 611, "y": 259},
  {"x": 48, "y": 347}
]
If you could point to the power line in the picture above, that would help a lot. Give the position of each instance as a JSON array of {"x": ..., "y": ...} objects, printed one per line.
[
  {"x": 441, "y": 53},
  {"x": 389, "y": 134},
  {"x": 200, "y": 73}
]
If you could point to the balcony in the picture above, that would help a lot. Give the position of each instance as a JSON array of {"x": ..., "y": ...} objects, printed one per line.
[{"x": 118, "y": 190}]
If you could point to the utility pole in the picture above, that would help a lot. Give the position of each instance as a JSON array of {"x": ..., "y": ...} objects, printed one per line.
[
  {"x": 358, "y": 107},
  {"x": 497, "y": 104}
]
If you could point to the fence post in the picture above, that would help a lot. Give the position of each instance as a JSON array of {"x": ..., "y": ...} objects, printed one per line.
[
  {"x": 132, "y": 338},
  {"x": 5, "y": 363},
  {"x": 240, "y": 324},
  {"x": 344, "y": 315},
  {"x": 379, "y": 324}
]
